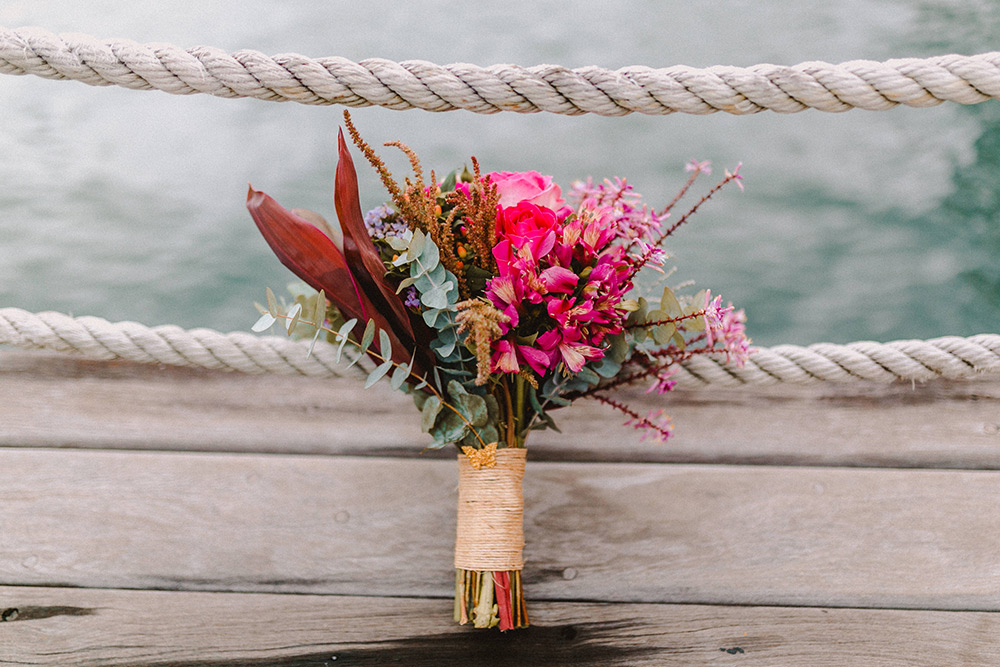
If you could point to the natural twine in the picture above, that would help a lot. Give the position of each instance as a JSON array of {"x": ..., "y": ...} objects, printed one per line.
[{"x": 491, "y": 514}]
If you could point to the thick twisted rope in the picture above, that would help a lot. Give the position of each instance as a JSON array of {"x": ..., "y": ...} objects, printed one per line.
[
  {"x": 417, "y": 84},
  {"x": 950, "y": 357}
]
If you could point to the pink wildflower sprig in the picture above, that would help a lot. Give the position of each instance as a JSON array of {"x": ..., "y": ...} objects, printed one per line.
[
  {"x": 656, "y": 425},
  {"x": 729, "y": 177},
  {"x": 728, "y": 326},
  {"x": 635, "y": 220}
]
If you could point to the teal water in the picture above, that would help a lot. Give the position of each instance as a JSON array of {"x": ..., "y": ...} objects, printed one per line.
[{"x": 863, "y": 225}]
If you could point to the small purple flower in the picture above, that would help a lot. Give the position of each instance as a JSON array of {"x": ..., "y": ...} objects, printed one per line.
[
  {"x": 412, "y": 298},
  {"x": 382, "y": 221}
]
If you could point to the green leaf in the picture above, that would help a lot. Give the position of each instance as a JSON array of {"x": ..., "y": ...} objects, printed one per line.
[
  {"x": 378, "y": 373},
  {"x": 431, "y": 315},
  {"x": 368, "y": 337},
  {"x": 429, "y": 413},
  {"x": 678, "y": 340},
  {"x": 429, "y": 256},
  {"x": 342, "y": 334},
  {"x": 313, "y": 343},
  {"x": 607, "y": 367},
  {"x": 272, "y": 303},
  {"x": 406, "y": 282},
  {"x": 438, "y": 296},
  {"x": 695, "y": 323},
  {"x": 384, "y": 345},
  {"x": 449, "y": 183},
  {"x": 264, "y": 323},
  {"x": 293, "y": 315},
  {"x": 472, "y": 406},
  {"x": 399, "y": 376},
  {"x": 319, "y": 310},
  {"x": 587, "y": 375},
  {"x": 663, "y": 333},
  {"x": 450, "y": 428},
  {"x": 670, "y": 304},
  {"x": 417, "y": 245}
]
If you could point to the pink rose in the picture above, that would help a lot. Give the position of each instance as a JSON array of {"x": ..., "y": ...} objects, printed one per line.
[
  {"x": 526, "y": 186},
  {"x": 527, "y": 230}
]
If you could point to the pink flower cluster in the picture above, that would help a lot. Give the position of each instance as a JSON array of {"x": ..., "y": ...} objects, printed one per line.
[
  {"x": 561, "y": 277},
  {"x": 727, "y": 326}
]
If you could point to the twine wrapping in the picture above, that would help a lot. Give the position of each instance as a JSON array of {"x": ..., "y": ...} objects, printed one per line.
[{"x": 491, "y": 514}]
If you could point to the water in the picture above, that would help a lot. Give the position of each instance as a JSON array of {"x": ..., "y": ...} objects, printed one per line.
[{"x": 864, "y": 225}]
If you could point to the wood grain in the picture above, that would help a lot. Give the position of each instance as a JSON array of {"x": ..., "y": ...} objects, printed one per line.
[
  {"x": 49, "y": 400},
  {"x": 108, "y": 628},
  {"x": 612, "y": 532}
]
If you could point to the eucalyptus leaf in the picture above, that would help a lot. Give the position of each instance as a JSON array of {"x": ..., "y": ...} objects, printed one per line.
[
  {"x": 428, "y": 414},
  {"x": 695, "y": 323},
  {"x": 293, "y": 315},
  {"x": 398, "y": 243},
  {"x": 384, "y": 345},
  {"x": 264, "y": 323},
  {"x": 431, "y": 315},
  {"x": 378, "y": 373},
  {"x": 404, "y": 283},
  {"x": 438, "y": 296},
  {"x": 670, "y": 304},
  {"x": 319, "y": 310},
  {"x": 399, "y": 375},
  {"x": 664, "y": 332},
  {"x": 588, "y": 376},
  {"x": 272, "y": 303},
  {"x": 313, "y": 343},
  {"x": 429, "y": 256},
  {"x": 417, "y": 245},
  {"x": 368, "y": 337}
]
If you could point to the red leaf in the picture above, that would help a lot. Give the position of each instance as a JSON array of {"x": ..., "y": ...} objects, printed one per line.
[{"x": 309, "y": 254}]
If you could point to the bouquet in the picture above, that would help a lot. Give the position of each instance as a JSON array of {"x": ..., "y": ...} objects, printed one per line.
[{"x": 494, "y": 301}]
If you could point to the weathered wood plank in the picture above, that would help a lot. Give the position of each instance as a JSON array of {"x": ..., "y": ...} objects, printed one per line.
[
  {"x": 73, "y": 627},
  {"x": 49, "y": 400},
  {"x": 611, "y": 532}
]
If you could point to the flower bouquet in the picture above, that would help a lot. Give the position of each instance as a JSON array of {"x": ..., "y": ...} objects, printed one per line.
[{"x": 493, "y": 301}]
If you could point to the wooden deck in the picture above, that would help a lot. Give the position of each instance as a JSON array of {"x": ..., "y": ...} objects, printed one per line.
[{"x": 163, "y": 516}]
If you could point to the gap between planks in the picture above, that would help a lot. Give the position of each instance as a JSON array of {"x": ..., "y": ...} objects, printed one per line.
[{"x": 114, "y": 628}]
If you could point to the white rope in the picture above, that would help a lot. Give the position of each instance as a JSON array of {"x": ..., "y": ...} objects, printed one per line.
[
  {"x": 863, "y": 84},
  {"x": 96, "y": 338},
  {"x": 950, "y": 357}
]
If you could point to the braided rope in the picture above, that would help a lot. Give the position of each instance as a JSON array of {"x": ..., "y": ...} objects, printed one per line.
[
  {"x": 949, "y": 357},
  {"x": 410, "y": 84}
]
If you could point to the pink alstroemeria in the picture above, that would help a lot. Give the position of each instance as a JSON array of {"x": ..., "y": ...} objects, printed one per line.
[
  {"x": 508, "y": 357},
  {"x": 559, "y": 280}
]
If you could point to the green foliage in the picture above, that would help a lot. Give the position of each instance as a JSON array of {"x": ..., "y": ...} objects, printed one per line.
[
  {"x": 438, "y": 291},
  {"x": 466, "y": 419}
]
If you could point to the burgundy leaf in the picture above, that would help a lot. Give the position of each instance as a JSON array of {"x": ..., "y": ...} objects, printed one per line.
[{"x": 308, "y": 253}]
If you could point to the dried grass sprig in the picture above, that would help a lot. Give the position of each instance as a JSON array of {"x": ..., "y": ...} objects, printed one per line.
[{"x": 482, "y": 320}]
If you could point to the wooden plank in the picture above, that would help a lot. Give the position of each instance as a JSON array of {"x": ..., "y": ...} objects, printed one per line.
[
  {"x": 74, "y": 627},
  {"x": 695, "y": 534},
  {"x": 49, "y": 400}
]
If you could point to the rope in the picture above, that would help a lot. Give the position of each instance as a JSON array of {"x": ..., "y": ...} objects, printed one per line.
[
  {"x": 417, "y": 84},
  {"x": 950, "y": 357},
  {"x": 97, "y": 338}
]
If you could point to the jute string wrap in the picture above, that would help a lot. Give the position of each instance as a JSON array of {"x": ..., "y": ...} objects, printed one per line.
[{"x": 491, "y": 514}]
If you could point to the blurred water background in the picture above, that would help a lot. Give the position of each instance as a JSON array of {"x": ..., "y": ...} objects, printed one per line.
[{"x": 863, "y": 225}]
